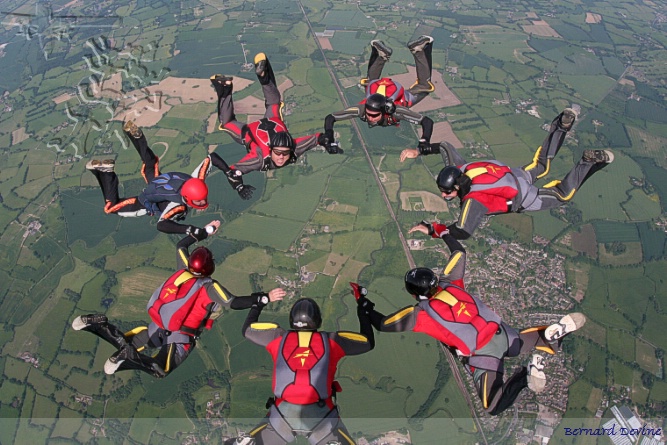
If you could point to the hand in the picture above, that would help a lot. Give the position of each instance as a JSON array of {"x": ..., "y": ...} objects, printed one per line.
[
  {"x": 408, "y": 153},
  {"x": 333, "y": 148},
  {"x": 323, "y": 139},
  {"x": 196, "y": 232},
  {"x": 277, "y": 294},
  {"x": 358, "y": 290},
  {"x": 423, "y": 227},
  {"x": 214, "y": 226},
  {"x": 245, "y": 191},
  {"x": 435, "y": 230}
]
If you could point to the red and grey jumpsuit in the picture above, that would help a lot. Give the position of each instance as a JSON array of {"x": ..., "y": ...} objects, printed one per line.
[
  {"x": 466, "y": 325},
  {"x": 402, "y": 98},
  {"x": 393, "y": 90},
  {"x": 255, "y": 136},
  {"x": 174, "y": 346},
  {"x": 305, "y": 363},
  {"x": 161, "y": 195},
  {"x": 491, "y": 188}
]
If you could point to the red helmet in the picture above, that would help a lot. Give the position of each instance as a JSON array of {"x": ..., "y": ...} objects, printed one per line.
[
  {"x": 195, "y": 189},
  {"x": 201, "y": 262}
]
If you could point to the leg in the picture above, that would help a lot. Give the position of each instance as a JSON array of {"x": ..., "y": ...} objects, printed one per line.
[
  {"x": 331, "y": 430},
  {"x": 495, "y": 395},
  {"x": 150, "y": 163},
  {"x": 541, "y": 163},
  {"x": 556, "y": 193},
  {"x": 380, "y": 53},
  {"x": 223, "y": 87},
  {"x": 108, "y": 181},
  {"x": 421, "y": 51},
  {"x": 99, "y": 325},
  {"x": 549, "y": 338},
  {"x": 267, "y": 79},
  {"x": 166, "y": 360},
  {"x": 273, "y": 430}
]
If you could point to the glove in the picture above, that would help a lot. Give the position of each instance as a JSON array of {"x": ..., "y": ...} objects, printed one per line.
[
  {"x": 245, "y": 191},
  {"x": 358, "y": 290},
  {"x": 261, "y": 299},
  {"x": 235, "y": 179},
  {"x": 197, "y": 233},
  {"x": 436, "y": 230},
  {"x": 332, "y": 148},
  {"x": 423, "y": 146},
  {"x": 323, "y": 139}
]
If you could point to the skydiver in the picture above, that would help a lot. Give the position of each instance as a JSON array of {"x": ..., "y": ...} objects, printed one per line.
[
  {"x": 387, "y": 102},
  {"x": 470, "y": 329},
  {"x": 305, "y": 362},
  {"x": 491, "y": 188},
  {"x": 182, "y": 307},
  {"x": 268, "y": 142},
  {"x": 168, "y": 194}
]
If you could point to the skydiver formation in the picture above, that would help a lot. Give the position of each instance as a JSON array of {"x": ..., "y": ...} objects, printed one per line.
[{"x": 304, "y": 357}]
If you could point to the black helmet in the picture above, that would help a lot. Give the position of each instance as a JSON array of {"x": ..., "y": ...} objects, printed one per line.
[
  {"x": 447, "y": 179},
  {"x": 305, "y": 315},
  {"x": 376, "y": 102},
  {"x": 421, "y": 282},
  {"x": 201, "y": 262},
  {"x": 282, "y": 139}
]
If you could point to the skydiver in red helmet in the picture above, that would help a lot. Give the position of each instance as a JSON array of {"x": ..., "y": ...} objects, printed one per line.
[
  {"x": 387, "y": 102},
  {"x": 169, "y": 195},
  {"x": 181, "y": 309}
]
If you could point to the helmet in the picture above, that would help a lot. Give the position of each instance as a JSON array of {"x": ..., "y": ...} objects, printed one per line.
[
  {"x": 378, "y": 102},
  {"x": 201, "y": 262},
  {"x": 305, "y": 315},
  {"x": 447, "y": 179},
  {"x": 282, "y": 139},
  {"x": 421, "y": 282},
  {"x": 195, "y": 189}
]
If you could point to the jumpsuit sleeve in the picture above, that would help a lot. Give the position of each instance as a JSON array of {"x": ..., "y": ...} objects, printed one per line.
[
  {"x": 305, "y": 143},
  {"x": 400, "y": 321},
  {"x": 258, "y": 332},
  {"x": 218, "y": 162},
  {"x": 167, "y": 222},
  {"x": 404, "y": 113},
  {"x": 251, "y": 162},
  {"x": 454, "y": 270},
  {"x": 472, "y": 214},
  {"x": 183, "y": 252},
  {"x": 346, "y": 114},
  {"x": 352, "y": 343}
]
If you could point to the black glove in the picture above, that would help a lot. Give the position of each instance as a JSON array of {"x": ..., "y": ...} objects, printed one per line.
[
  {"x": 365, "y": 306},
  {"x": 245, "y": 191},
  {"x": 424, "y": 146},
  {"x": 333, "y": 148},
  {"x": 324, "y": 138},
  {"x": 197, "y": 233},
  {"x": 261, "y": 299},
  {"x": 235, "y": 179}
]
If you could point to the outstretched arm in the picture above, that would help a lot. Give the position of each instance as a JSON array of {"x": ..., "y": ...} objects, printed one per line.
[
  {"x": 193, "y": 235},
  {"x": 260, "y": 333},
  {"x": 454, "y": 270}
]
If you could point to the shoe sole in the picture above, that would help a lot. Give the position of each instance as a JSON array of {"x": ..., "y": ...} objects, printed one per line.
[
  {"x": 568, "y": 324},
  {"x": 78, "y": 324},
  {"x": 111, "y": 367},
  {"x": 537, "y": 381}
]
